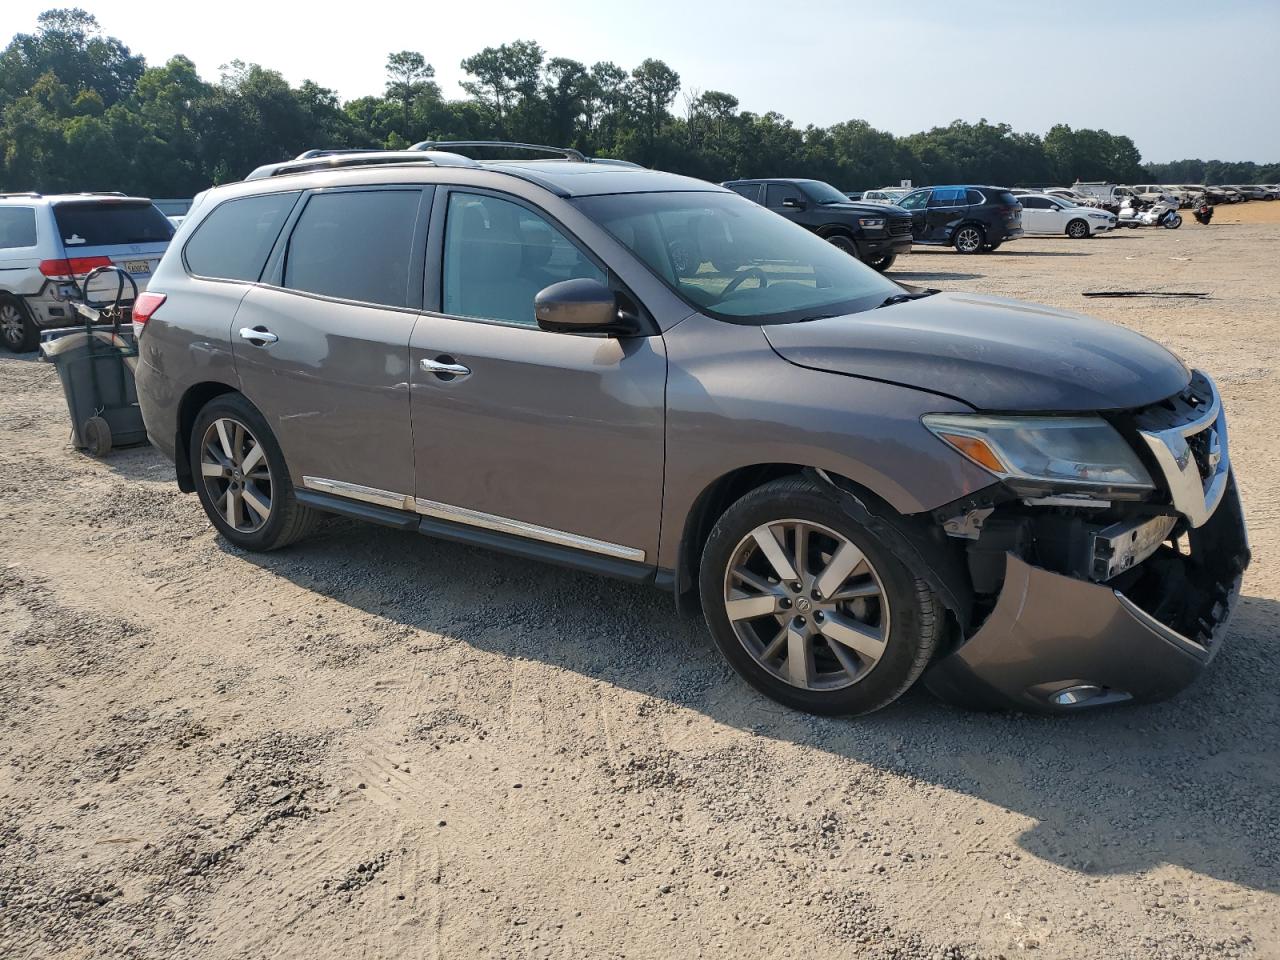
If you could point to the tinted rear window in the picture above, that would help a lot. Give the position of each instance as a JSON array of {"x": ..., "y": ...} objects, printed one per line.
[
  {"x": 110, "y": 224},
  {"x": 355, "y": 246},
  {"x": 233, "y": 242},
  {"x": 1005, "y": 197},
  {"x": 17, "y": 227}
]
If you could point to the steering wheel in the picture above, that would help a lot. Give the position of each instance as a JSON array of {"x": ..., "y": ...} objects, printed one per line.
[{"x": 736, "y": 282}]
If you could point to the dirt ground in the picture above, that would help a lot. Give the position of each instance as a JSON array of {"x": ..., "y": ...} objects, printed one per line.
[{"x": 377, "y": 745}]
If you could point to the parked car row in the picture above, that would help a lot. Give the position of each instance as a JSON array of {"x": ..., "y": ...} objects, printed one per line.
[{"x": 49, "y": 244}]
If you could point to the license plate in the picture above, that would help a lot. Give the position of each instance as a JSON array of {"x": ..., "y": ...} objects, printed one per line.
[{"x": 137, "y": 266}]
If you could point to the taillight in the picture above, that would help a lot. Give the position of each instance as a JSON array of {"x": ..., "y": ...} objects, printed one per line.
[
  {"x": 72, "y": 268},
  {"x": 146, "y": 304}
]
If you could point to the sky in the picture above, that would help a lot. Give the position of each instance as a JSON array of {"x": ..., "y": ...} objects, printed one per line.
[{"x": 1183, "y": 78}]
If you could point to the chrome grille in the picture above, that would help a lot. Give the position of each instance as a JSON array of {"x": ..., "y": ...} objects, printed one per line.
[
  {"x": 899, "y": 226},
  {"x": 1192, "y": 449}
]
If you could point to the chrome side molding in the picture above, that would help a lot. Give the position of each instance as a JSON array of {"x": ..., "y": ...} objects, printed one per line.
[{"x": 472, "y": 518}]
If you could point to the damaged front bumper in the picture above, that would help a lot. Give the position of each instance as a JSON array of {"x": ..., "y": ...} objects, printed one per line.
[{"x": 1054, "y": 642}]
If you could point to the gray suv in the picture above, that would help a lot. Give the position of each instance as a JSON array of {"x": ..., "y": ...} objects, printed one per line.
[{"x": 653, "y": 378}]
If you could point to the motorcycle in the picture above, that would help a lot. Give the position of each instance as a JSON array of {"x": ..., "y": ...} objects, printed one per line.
[
  {"x": 1163, "y": 213},
  {"x": 1203, "y": 214}
]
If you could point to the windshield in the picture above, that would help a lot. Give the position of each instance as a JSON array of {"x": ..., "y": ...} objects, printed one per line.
[
  {"x": 735, "y": 260},
  {"x": 820, "y": 192},
  {"x": 108, "y": 223}
]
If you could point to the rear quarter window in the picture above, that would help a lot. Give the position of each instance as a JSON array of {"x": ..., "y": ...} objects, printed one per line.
[
  {"x": 110, "y": 224},
  {"x": 233, "y": 242},
  {"x": 749, "y": 190},
  {"x": 17, "y": 227}
]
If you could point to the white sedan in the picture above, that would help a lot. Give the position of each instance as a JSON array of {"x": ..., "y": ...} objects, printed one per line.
[{"x": 1056, "y": 216}]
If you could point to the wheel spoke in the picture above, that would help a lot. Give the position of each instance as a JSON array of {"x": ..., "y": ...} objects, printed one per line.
[
  {"x": 799, "y": 656},
  {"x": 233, "y": 512},
  {"x": 857, "y": 591},
  {"x": 846, "y": 560},
  {"x": 768, "y": 543},
  {"x": 775, "y": 645},
  {"x": 847, "y": 660},
  {"x": 751, "y": 580},
  {"x": 252, "y": 457},
  {"x": 223, "y": 439},
  {"x": 748, "y": 608},
  {"x": 260, "y": 507},
  {"x": 208, "y": 469},
  {"x": 857, "y": 636},
  {"x": 237, "y": 444},
  {"x": 802, "y": 549}
]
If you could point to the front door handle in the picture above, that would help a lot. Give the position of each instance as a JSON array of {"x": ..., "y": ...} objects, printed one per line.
[
  {"x": 258, "y": 336},
  {"x": 445, "y": 367}
]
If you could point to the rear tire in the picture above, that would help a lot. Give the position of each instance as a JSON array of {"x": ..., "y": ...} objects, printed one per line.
[
  {"x": 241, "y": 477},
  {"x": 783, "y": 640},
  {"x": 18, "y": 332},
  {"x": 1078, "y": 230},
  {"x": 969, "y": 239}
]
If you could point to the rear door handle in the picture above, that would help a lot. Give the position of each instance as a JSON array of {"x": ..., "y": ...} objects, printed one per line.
[
  {"x": 258, "y": 336},
  {"x": 445, "y": 367}
]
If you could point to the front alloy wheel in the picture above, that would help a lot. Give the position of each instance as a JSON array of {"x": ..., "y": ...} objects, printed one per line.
[
  {"x": 233, "y": 467},
  {"x": 807, "y": 605}
]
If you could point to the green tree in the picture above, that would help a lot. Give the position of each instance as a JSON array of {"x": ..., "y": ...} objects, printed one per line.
[{"x": 409, "y": 78}]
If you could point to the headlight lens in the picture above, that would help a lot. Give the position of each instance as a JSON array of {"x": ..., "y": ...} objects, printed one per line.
[
  {"x": 1070, "y": 451},
  {"x": 871, "y": 223}
]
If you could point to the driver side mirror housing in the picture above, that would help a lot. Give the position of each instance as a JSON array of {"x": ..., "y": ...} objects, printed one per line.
[{"x": 585, "y": 306}]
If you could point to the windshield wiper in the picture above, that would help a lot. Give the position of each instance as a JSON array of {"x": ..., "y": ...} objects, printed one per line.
[{"x": 904, "y": 297}]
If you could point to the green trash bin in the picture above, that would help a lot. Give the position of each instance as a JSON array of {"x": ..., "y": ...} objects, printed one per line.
[{"x": 96, "y": 369}]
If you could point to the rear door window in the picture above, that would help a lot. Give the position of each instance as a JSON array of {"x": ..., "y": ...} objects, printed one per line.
[
  {"x": 975, "y": 198},
  {"x": 914, "y": 201},
  {"x": 749, "y": 190},
  {"x": 354, "y": 245},
  {"x": 233, "y": 242},
  {"x": 17, "y": 227},
  {"x": 948, "y": 197},
  {"x": 110, "y": 224},
  {"x": 775, "y": 193},
  {"x": 498, "y": 255}
]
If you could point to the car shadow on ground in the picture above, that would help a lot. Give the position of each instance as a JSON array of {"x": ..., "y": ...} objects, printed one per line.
[{"x": 1190, "y": 782}]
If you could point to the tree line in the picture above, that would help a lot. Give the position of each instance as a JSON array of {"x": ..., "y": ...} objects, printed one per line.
[{"x": 80, "y": 111}]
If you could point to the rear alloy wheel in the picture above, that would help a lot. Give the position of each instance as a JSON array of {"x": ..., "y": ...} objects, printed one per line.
[
  {"x": 969, "y": 239},
  {"x": 241, "y": 477},
  {"x": 1078, "y": 230},
  {"x": 17, "y": 332},
  {"x": 809, "y": 607}
]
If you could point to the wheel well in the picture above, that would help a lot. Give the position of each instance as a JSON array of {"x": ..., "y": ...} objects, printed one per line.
[
  {"x": 1077, "y": 220},
  {"x": 834, "y": 230},
  {"x": 189, "y": 407}
]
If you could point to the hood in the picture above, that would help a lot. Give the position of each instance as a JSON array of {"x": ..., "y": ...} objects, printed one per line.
[
  {"x": 864, "y": 208},
  {"x": 994, "y": 354}
]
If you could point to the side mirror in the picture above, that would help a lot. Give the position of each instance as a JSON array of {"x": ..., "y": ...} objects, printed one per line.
[
  {"x": 792, "y": 203},
  {"x": 584, "y": 306}
]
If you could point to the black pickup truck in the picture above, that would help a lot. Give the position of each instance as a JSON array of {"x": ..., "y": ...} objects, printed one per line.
[{"x": 875, "y": 233}]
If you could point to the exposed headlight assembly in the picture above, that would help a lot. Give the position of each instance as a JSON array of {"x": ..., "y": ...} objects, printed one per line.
[
  {"x": 871, "y": 223},
  {"x": 1037, "y": 453}
]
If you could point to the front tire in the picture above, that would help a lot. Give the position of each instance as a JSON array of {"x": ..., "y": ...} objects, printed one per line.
[
  {"x": 809, "y": 607},
  {"x": 241, "y": 477},
  {"x": 18, "y": 332},
  {"x": 841, "y": 242},
  {"x": 1078, "y": 230},
  {"x": 970, "y": 238},
  {"x": 882, "y": 263}
]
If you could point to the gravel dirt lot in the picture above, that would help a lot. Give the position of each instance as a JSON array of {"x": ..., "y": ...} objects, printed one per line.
[{"x": 377, "y": 745}]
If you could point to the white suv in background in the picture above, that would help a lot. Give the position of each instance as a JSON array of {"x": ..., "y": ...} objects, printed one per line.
[
  {"x": 1056, "y": 216},
  {"x": 49, "y": 243}
]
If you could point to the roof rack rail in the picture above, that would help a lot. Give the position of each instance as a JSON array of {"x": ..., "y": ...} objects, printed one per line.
[
  {"x": 334, "y": 152},
  {"x": 567, "y": 152},
  {"x": 331, "y": 160},
  {"x": 21, "y": 193}
]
